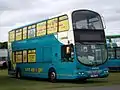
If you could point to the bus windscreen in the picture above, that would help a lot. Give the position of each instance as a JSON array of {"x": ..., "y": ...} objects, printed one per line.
[{"x": 86, "y": 19}]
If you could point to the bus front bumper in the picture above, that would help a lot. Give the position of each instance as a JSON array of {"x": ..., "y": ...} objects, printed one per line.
[{"x": 92, "y": 74}]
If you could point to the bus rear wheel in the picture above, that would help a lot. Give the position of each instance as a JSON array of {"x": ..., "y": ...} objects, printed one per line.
[{"x": 52, "y": 76}]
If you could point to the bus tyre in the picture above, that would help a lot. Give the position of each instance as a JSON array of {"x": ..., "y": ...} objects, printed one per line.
[
  {"x": 52, "y": 76},
  {"x": 18, "y": 74}
]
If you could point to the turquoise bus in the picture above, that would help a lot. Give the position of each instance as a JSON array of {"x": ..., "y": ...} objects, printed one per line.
[
  {"x": 71, "y": 45},
  {"x": 113, "y": 45}
]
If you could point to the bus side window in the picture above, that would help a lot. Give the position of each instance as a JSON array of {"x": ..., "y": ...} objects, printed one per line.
[
  {"x": 67, "y": 53},
  {"x": 111, "y": 53}
]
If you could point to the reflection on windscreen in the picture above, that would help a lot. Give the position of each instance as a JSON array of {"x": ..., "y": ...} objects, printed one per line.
[
  {"x": 87, "y": 20},
  {"x": 90, "y": 54}
]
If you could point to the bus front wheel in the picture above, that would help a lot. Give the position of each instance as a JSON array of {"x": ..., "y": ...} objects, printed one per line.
[{"x": 52, "y": 76}]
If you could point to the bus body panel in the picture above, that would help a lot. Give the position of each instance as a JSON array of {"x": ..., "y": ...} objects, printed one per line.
[
  {"x": 114, "y": 64},
  {"x": 44, "y": 60},
  {"x": 64, "y": 70}
]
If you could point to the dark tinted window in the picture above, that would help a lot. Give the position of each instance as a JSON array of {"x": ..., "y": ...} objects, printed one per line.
[
  {"x": 90, "y": 35},
  {"x": 66, "y": 53}
]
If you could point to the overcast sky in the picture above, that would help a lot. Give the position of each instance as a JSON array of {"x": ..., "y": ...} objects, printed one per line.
[{"x": 15, "y": 13}]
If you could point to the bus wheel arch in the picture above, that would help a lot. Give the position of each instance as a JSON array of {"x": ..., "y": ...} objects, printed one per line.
[{"x": 52, "y": 76}]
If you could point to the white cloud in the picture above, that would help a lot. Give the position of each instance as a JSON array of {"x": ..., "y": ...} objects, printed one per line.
[{"x": 15, "y": 13}]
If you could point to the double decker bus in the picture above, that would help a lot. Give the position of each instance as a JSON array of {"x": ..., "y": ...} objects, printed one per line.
[
  {"x": 113, "y": 45},
  {"x": 68, "y": 46}
]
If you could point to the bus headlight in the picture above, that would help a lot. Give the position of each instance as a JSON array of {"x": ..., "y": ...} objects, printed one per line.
[
  {"x": 106, "y": 71},
  {"x": 81, "y": 73}
]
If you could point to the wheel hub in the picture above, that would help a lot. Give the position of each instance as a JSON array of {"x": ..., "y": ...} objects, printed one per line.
[{"x": 52, "y": 76}]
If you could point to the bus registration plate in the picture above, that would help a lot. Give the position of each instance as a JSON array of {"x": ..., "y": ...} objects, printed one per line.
[{"x": 93, "y": 75}]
